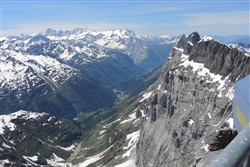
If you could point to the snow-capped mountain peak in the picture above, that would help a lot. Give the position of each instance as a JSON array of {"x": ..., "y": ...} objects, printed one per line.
[
  {"x": 59, "y": 35},
  {"x": 206, "y": 38},
  {"x": 162, "y": 39},
  {"x": 50, "y": 31},
  {"x": 76, "y": 41},
  {"x": 38, "y": 39},
  {"x": 2, "y": 38},
  {"x": 25, "y": 72}
]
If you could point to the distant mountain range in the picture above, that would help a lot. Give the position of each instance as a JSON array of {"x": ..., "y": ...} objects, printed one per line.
[
  {"x": 163, "y": 39},
  {"x": 88, "y": 45},
  {"x": 67, "y": 72},
  {"x": 233, "y": 39}
]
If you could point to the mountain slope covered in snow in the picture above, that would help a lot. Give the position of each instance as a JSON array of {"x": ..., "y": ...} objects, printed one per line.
[
  {"x": 36, "y": 139},
  {"x": 67, "y": 72},
  {"x": 81, "y": 46},
  {"x": 43, "y": 84}
]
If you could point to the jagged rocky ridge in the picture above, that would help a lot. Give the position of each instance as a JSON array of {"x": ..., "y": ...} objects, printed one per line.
[
  {"x": 245, "y": 49},
  {"x": 190, "y": 106}
]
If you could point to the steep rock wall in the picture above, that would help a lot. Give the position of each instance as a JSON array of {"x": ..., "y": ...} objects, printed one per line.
[{"x": 190, "y": 108}]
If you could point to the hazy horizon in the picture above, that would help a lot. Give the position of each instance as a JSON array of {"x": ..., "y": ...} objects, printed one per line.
[{"x": 221, "y": 18}]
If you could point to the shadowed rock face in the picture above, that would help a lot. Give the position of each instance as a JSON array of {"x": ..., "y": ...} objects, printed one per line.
[
  {"x": 187, "y": 43},
  {"x": 221, "y": 59},
  {"x": 222, "y": 139},
  {"x": 191, "y": 104}
]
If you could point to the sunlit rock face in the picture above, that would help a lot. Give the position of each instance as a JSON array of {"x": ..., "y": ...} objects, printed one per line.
[{"x": 191, "y": 104}]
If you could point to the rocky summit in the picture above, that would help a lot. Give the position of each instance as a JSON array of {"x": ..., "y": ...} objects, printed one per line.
[{"x": 190, "y": 106}]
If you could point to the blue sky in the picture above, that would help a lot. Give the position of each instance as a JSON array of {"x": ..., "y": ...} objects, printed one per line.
[{"x": 145, "y": 17}]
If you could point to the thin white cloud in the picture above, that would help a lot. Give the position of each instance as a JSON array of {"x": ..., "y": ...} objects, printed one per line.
[
  {"x": 229, "y": 18},
  {"x": 150, "y": 9}
]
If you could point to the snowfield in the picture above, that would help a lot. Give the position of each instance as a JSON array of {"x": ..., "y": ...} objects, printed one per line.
[{"x": 6, "y": 120}]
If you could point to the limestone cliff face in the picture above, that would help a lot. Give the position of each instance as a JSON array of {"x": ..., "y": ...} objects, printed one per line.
[{"x": 190, "y": 107}]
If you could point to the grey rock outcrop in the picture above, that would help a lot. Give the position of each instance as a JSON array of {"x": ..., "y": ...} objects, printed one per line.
[
  {"x": 190, "y": 108},
  {"x": 220, "y": 59}
]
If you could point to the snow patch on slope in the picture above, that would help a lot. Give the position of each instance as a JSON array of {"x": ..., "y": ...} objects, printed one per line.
[
  {"x": 25, "y": 72},
  {"x": 205, "y": 147},
  {"x": 6, "y": 120},
  {"x": 31, "y": 160},
  {"x": 93, "y": 159},
  {"x": 202, "y": 71},
  {"x": 206, "y": 38},
  {"x": 146, "y": 96},
  {"x": 131, "y": 118},
  {"x": 129, "y": 163},
  {"x": 230, "y": 121},
  {"x": 133, "y": 139},
  {"x": 191, "y": 121},
  {"x": 244, "y": 50},
  {"x": 57, "y": 161}
]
